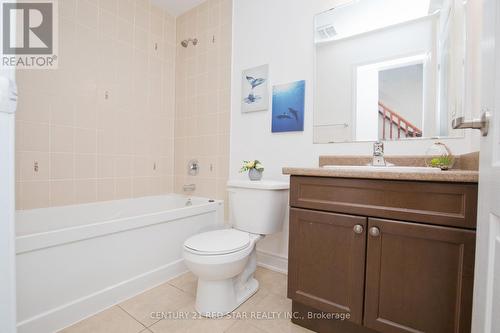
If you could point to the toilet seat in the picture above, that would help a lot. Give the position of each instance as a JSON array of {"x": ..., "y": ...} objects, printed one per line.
[{"x": 219, "y": 242}]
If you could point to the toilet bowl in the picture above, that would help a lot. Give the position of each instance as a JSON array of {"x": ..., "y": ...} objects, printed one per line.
[
  {"x": 225, "y": 273},
  {"x": 225, "y": 260}
]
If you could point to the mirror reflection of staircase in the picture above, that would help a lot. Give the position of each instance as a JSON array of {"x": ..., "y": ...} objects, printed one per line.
[{"x": 395, "y": 126}]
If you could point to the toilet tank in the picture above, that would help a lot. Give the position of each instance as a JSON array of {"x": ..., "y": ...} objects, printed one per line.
[{"x": 258, "y": 207}]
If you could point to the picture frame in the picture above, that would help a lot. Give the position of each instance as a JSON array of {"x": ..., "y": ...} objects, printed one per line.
[
  {"x": 288, "y": 107},
  {"x": 255, "y": 89}
]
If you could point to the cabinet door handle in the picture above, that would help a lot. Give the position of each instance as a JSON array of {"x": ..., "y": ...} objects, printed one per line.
[
  {"x": 358, "y": 229},
  {"x": 374, "y": 232}
]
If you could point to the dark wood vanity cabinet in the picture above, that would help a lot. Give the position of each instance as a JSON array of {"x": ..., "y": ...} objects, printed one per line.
[
  {"x": 348, "y": 254},
  {"x": 326, "y": 254},
  {"x": 419, "y": 278}
]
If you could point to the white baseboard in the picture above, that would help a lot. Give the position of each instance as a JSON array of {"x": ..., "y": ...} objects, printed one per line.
[
  {"x": 272, "y": 261},
  {"x": 68, "y": 314}
]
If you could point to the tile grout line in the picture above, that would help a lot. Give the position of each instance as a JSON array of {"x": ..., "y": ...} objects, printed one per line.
[
  {"x": 119, "y": 306},
  {"x": 156, "y": 322},
  {"x": 178, "y": 288},
  {"x": 188, "y": 294}
]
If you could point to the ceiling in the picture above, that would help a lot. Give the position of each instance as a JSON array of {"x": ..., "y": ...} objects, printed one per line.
[
  {"x": 177, "y": 7},
  {"x": 368, "y": 15}
]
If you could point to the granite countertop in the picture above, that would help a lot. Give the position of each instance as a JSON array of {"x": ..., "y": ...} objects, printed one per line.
[
  {"x": 465, "y": 169},
  {"x": 456, "y": 176}
]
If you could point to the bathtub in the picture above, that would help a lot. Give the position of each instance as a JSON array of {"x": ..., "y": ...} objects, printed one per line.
[{"x": 75, "y": 261}]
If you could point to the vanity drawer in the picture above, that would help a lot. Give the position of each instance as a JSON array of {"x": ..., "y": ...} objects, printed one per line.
[{"x": 449, "y": 204}]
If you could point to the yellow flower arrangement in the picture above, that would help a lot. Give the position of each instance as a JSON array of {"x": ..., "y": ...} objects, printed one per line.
[{"x": 255, "y": 164}]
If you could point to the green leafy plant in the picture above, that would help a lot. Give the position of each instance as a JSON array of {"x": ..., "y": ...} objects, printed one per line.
[
  {"x": 443, "y": 162},
  {"x": 255, "y": 164}
]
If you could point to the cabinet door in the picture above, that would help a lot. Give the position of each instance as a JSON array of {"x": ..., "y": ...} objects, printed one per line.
[
  {"x": 419, "y": 278},
  {"x": 327, "y": 261}
]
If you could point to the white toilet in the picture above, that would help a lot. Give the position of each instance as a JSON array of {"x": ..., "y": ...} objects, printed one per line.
[{"x": 224, "y": 260}]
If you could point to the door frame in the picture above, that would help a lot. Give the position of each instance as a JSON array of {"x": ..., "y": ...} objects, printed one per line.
[
  {"x": 7, "y": 211},
  {"x": 486, "y": 286},
  {"x": 8, "y": 104}
]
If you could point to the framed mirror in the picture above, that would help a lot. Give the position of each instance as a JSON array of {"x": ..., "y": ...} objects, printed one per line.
[{"x": 389, "y": 70}]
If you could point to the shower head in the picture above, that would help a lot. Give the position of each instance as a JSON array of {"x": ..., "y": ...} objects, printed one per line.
[{"x": 185, "y": 42}]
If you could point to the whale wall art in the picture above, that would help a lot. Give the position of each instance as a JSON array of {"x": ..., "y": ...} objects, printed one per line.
[
  {"x": 255, "y": 89},
  {"x": 288, "y": 107}
]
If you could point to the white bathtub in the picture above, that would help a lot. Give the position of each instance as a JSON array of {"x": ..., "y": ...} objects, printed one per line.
[{"x": 75, "y": 261}]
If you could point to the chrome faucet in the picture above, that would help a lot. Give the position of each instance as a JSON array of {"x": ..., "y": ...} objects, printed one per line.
[{"x": 378, "y": 154}]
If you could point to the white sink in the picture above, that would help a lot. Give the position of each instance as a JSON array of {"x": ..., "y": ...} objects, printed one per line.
[{"x": 393, "y": 168}]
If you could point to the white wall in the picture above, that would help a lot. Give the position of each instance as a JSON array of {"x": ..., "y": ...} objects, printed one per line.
[
  {"x": 401, "y": 89},
  {"x": 280, "y": 33},
  {"x": 367, "y": 91}
]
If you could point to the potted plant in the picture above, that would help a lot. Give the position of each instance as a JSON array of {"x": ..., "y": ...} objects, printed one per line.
[
  {"x": 254, "y": 168},
  {"x": 439, "y": 156}
]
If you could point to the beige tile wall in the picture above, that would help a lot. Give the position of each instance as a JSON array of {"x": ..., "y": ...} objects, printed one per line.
[
  {"x": 100, "y": 127},
  {"x": 203, "y": 98}
]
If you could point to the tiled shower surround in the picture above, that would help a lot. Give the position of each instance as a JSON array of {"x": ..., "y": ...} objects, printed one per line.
[
  {"x": 203, "y": 75},
  {"x": 101, "y": 126}
]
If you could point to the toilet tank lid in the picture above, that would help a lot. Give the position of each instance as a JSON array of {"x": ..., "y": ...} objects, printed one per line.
[{"x": 259, "y": 184}]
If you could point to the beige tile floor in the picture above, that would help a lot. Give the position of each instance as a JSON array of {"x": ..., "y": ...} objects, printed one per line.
[{"x": 177, "y": 296}]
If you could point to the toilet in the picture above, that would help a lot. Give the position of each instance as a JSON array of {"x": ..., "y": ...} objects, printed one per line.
[{"x": 225, "y": 260}]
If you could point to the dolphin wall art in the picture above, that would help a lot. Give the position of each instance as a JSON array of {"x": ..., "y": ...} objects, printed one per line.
[
  {"x": 288, "y": 107},
  {"x": 254, "y": 89}
]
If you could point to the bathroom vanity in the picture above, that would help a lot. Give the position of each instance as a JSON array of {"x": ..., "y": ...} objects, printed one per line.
[{"x": 382, "y": 251}]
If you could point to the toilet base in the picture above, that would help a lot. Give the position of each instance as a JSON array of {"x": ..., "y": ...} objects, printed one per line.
[
  {"x": 217, "y": 298},
  {"x": 221, "y": 298}
]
